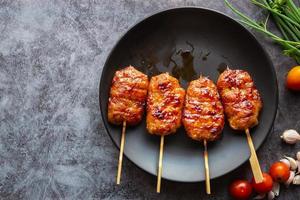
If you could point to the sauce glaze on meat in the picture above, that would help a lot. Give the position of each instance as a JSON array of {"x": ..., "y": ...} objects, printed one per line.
[
  {"x": 164, "y": 105},
  {"x": 128, "y": 96},
  {"x": 203, "y": 116},
  {"x": 240, "y": 98}
]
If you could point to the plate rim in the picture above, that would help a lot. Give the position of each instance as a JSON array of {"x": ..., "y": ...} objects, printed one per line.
[{"x": 161, "y": 11}]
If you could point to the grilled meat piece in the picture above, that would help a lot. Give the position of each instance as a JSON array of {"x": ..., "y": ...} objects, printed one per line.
[
  {"x": 128, "y": 95},
  {"x": 203, "y": 116},
  {"x": 164, "y": 105},
  {"x": 240, "y": 98}
]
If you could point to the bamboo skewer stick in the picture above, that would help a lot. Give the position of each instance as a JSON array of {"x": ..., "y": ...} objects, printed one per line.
[
  {"x": 256, "y": 170},
  {"x": 121, "y": 153},
  {"x": 207, "y": 177},
  {"x": 161, "y": 150}
]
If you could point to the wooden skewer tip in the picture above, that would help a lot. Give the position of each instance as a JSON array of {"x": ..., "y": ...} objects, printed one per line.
[
  {"x": 161, "y": 149},
  {"x": 206, "y": 165},
  {"x": 121, "y": 153},
  {"x": 256, "y": 170}
]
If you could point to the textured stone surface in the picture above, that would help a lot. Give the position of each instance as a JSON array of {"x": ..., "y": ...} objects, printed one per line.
[{"x": 52, "y": 141}]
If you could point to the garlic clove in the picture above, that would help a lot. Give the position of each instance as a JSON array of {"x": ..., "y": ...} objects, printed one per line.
[
  {"x": 298, "y": 164},
  {"x": 271, "y": 195},
  {"x": 296, "y": 180},
  {"x": 290, "y": 136},
  {"x": 260, "y": 196},
  {"x": 276, "y": 188},
  {"x": 290, "y": 180},
  {"x": 286, "y": 161},
  {"x": 298, "y": 155},
  {"x": 293, "y": 163}
]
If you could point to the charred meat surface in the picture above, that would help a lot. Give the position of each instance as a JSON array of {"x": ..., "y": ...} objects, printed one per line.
[
  {"x": 240, "y": 98},
  {"x": 164, "y": 105},
  {"x": 128, "y": 95},
  {"x": 203, "y": 116}
]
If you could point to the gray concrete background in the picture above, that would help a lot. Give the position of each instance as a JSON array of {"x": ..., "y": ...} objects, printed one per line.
[{"x": 52, "y": 141}]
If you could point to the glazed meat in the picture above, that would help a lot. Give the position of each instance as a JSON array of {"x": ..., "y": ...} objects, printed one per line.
[
  {"x": 164, "y": 105},
  {"x": 240, "y": 98},
  {"x": 128, "y": 95},
  {"x": 203, "y": 116}
]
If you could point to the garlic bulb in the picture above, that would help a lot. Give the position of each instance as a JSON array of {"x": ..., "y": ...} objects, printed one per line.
[
  {"x": 276, "y": 188},
  {"x": 296, "y": 180},
  {"x": 271, "y": 195},
  {"x": 293, "y": 163},
  {"x": 290, "y": 180},
  {"x": 286, "y": 161},
  {"x": 298, "y": 155},
  {"x": 290, "y": 136}
]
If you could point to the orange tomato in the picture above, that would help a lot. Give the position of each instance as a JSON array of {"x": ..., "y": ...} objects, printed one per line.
[
  {"x": 293, "y": 79},
  {"x": 280, "y": 172}
]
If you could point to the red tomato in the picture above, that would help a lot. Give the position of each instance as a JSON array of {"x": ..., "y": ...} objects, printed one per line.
[
  {"x": 264, "y": 186},
  {"x": 293, "y": 79},
  {"x": 280, "y": 172},
  {"x": 240, "y": 189}
]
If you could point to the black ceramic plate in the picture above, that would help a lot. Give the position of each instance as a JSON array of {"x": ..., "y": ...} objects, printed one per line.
[{"x": 188, "y": 42}]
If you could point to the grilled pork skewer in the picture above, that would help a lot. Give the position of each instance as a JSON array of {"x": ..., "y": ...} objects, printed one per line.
[
  {"x": 164, "y": 109},
  {"x": 126, "y": 103},
  {"x": 203, "y": 116},
  {"x": 242, "y": 104}
]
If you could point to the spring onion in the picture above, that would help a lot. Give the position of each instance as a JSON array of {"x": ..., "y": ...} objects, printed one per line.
[{"x": 286, "y": 16}]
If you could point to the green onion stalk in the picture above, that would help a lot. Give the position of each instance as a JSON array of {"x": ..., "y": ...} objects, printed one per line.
[{"x": 286, "y": 15}]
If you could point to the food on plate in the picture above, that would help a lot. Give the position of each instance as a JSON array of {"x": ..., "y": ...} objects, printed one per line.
[
  {"x": 128, "y": 95},
  {"x": 242, "y": 104},
  {"x": 240, "y": 189},
  {"x": 293, "y": 79},
  {"x": 164, "y": 105},
  {"x": 279, "y": 171},
  {"x": 126, "y": 103},
  {"x": 264, "y": 186},
  {"x": 240, "y": 98},
  {"x": 203, "y": 116},
  {"x": 164, "y": 110}
]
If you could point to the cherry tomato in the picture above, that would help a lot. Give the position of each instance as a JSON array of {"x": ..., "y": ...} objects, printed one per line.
[
  {"x": 264, "y": 186},
  {"x": 280, "y": 172},
  {"x": 240, "y": 189},
  {"x": 293, "y": 79}
]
